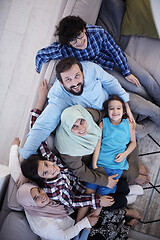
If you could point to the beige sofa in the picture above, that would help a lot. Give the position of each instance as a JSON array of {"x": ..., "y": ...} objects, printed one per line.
[{"x": 13, "y": 224}]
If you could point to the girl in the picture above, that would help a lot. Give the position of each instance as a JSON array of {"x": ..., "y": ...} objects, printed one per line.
[{"x": 118, "y": 140}]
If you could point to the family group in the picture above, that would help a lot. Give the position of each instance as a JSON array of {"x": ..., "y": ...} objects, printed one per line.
[{"x": 82, "y": 190}]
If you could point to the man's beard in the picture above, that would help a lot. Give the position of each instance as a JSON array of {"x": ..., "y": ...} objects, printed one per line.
[{"x": 76, "y": 93}]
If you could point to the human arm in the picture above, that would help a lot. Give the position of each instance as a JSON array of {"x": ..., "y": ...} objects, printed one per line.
[
  {"x": 97, "y": 149},
  {"x": 119, "y": 58},
  {"x": 131, "y": 78},
  {"x": 35, "y": 113},
  {"x": 130, "y": 115},
  {"x": 121, "y": 156},
  {"x": 110, "y": 84},
  {"x": 62, "y": 194},
  {"x": 91, "y": 200},
  {"x": 47, "y": 54},
  {"x": 56, "y": 229},
  {"x": 14, "y": 163},
  {"x": 97, "y": 176},
  {"x": 113, "y": 50},
  {"x": 42, "y": 128}
]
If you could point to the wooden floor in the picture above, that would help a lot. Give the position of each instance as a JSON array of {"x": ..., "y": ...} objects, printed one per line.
[{"x": 26, "y": 27}]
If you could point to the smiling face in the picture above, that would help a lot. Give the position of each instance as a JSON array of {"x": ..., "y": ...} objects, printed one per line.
[
  {"x": 79, "y": 128},
  {"x": 39, "y": 197},
  {"x": 80, "y": 42},
  {"x": 73, "y": 80},
  {"x": 47, "y": 169},
  {"x": 115, "y": 111}
]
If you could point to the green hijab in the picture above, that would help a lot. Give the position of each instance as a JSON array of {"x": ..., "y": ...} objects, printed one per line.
[{"x": 67, "y": 142}]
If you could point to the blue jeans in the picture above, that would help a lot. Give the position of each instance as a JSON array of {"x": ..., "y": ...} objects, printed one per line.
[
  {"x": 83, "y": 235},
  {"x": 101, "y": 190},
  {"x": 149, "y": 88}
]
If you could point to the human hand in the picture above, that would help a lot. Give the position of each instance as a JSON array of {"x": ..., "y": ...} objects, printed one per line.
[
  {"x": 16, "y": 141},
  {"x": 111, "y": 181},
  {"x": 92, "y": 219},
  {"x": 131, "y": 78},
  {"x": 94, "y": 166},
  {"x": 21, "y": 180},
  {"x": 43, "y": 89},
  {"x": 130, "y": 115},
  {"x": 120, "y": 157},
  {"x": 106, "y": 201},
  {"x": 132, "y": 125}
]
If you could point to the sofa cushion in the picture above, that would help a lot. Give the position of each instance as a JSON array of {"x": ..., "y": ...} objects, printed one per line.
[
  {"x": 12, "y": 201},
  {"x": 87, "y": 9},
  {"x": 138, "y": 19},
  {"x": 110, "y": 18},
  {"x": 16, "y": 227}
]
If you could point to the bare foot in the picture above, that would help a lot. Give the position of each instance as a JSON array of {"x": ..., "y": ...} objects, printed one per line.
[
  {"x": 43, "y": 92},
  {"x": 132, "y": 222},
  {"x": 133, "y": 213},
  {"x": 142, "y": 179},
  {"x": 143, "y": 170}
]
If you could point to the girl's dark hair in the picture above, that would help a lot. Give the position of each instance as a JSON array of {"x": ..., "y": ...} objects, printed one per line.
[
  {"x": 106, "y": 103},
  {"x": 65, "y": 64},
  {"x": 29, "y": 168},
  {"x": 69, "y": 28}
]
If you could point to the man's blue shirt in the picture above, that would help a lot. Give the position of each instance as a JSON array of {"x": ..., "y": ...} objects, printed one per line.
[{"x": 98, "y": 85}]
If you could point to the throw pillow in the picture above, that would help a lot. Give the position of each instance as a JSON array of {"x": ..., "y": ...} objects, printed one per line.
[{"x": 138, "y": 19}]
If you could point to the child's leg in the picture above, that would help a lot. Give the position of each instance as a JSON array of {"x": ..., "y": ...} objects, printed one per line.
[
  {"x": 97, "y": 211},
  {"x": 84, "y": 234},
  {"x": 82, "y": 212}
]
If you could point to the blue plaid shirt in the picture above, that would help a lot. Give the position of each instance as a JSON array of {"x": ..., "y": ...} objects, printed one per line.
[{"x": 101, "y": 49}]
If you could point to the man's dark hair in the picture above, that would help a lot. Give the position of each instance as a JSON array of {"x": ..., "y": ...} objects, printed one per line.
[
  {"x": 65, "y": 64},
  {"x": 106, "y": 103},
  {"x": 69, "y": 28},
  {"x": 29, "y": 168}
]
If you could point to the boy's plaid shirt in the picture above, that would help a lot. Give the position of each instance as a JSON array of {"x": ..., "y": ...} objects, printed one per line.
[{"x": 101, "y": 49}]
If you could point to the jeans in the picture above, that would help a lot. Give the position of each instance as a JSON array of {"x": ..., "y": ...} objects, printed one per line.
[
  {"x": 143, "y": 107},
  {"x": 149, "y": 88},
  {"x": 103, "y": 190},
  {"x": 83, "y": 235}
]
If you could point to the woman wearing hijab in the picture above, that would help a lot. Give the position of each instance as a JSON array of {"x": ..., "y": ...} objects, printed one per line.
[
  {"x": 48, "y": 219},
  {"x": 76, "y": 138}
]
